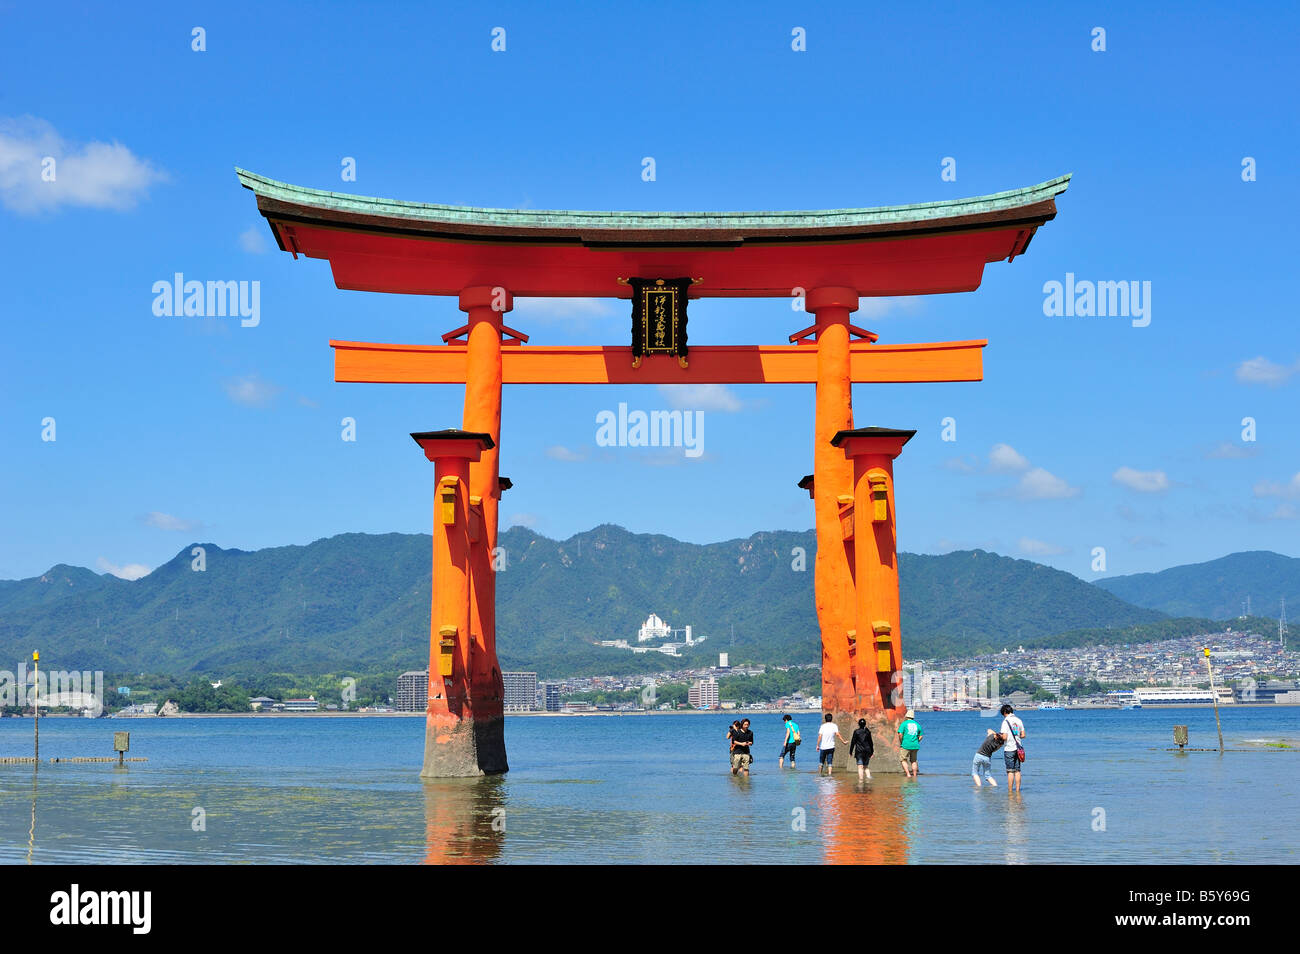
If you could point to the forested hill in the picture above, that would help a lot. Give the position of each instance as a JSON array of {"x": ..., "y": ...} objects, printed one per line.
[
  {"x": 360, "y": 602},
  {"x": 1217, "y": 589}
]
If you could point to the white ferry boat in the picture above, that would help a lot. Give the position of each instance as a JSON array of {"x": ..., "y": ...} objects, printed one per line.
[{"x": 1175, "y": 696}]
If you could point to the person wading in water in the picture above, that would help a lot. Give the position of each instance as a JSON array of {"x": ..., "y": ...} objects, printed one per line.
[
  {"x": 740, "y": 757},
  {"x": 792, "y": 740},
  {"x": 861, "y": 747}
]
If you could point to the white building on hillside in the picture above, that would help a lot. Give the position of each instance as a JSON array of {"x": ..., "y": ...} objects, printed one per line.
[{"x": 654, "y": 628}]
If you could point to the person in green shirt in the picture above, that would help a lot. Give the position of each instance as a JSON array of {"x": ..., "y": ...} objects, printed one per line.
[{"x": 909, "y": 742}]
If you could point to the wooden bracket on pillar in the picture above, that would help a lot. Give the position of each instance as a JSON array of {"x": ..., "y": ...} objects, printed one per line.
[
  {"x": 845, "y": 502},
  {"x": 447, "y": 500},
  {"x": 884, "y": 645},
  {"x": 446, "y": 649},
  {"x": 879, "y": 483},
  {"x": 808, "y": 336},
  {"x": 508, "y": 336},
  {"x": 475, "y": 519}
]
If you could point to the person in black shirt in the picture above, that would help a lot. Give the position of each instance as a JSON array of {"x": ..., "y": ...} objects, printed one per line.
[
  {"x": 731, "y": 739},
  {"x": 862, "y": 748},
  {"x": 981, "y": 769},
  {"x": 741, "y": 740}
]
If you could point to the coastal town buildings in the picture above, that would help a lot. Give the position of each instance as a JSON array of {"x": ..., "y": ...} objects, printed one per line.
[
  {"x": 704, "y": 694},
  {"x": 520, "y": 691},
  {"x": 412, "y": 691}
]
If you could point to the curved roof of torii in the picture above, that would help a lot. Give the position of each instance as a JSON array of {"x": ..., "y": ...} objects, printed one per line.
[{"x": 377, "y": 244}]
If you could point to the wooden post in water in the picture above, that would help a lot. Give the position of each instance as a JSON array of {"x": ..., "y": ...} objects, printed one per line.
[
  {"x": 1217, "y": 724},
  {"x": 36, "y": 700}
]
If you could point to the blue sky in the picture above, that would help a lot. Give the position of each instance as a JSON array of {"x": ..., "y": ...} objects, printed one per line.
[{"x": 1086, "y": 432}]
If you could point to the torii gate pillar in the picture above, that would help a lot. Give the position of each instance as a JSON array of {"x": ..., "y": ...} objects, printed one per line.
[
  {"x": 485, "y": 307},
  {"x": 464, "y": 731},
  {"x": 879, "y": 657},
  {"x": 832, "y": 494}
]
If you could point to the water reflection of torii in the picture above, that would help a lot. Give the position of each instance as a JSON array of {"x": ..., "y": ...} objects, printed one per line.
[{"x": 824, "y": 260}]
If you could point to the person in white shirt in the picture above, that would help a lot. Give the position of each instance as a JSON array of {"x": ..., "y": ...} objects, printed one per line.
[
  {"x": 1013, "y": 730},
  {"x": 826, "y": 737}
]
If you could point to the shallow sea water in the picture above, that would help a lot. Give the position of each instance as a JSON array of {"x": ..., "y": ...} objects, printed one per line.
[{"x": 1099, "y": 788}]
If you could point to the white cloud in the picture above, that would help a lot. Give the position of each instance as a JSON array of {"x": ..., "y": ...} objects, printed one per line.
[
  {"x": 576, "y": 313},
  {"x": 1273, "y": 488},
  {"x": 97, "y": 175},
  {"x": 560, "y": 452},
  {"x": 1227, "y": 450},
  {"x": 1263, "y": 371},
  {"x": 871, "y": 308},
  {"x": 1285, "y": 511},
  {"x": 129, "y": 571},
  {"x": 165, "y": 521},
  {"x": 1143, "y": 481},
  {"x": 1038, "y": 548},
  {"x": 701, "y": 397},
  {"x": 253, "y": 240},
  {"x": 962, "y": 465},
  {"x": 250, "y": 390},
  {"x": 1035, "y": 483},
  {"x": 666, "y": 457},
  {"x": 1005, "y": 459},
  {"x": 1144, "y": 543},
  {"x": 1039, "y": 484}
]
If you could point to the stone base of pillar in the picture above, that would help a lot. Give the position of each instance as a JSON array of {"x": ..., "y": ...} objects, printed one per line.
[
  {"x": 884, "y": 738},
  {"x": 465, "y": 747}
]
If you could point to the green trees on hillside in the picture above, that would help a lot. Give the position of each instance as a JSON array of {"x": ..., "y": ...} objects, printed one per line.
[{"x": 199, "y": 696}]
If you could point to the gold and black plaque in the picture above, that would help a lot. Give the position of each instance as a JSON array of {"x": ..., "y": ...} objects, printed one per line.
[{"x": 659, "y": 317}]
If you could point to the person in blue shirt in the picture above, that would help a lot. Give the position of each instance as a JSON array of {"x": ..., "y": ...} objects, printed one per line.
[{"x": 790, "y": 741}]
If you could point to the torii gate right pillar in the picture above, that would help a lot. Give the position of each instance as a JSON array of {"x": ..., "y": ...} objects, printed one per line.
[
  {"x": 878, "y": 659},
  {"x": 872, "y": 451}
]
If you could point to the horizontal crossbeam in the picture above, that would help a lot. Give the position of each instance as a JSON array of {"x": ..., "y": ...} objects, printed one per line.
[{"x": 359, "y": 361}]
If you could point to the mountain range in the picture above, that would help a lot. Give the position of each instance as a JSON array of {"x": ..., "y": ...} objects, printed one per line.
[
  {"x": 360, "y": 603},
  {"x": 1217, "y": 589}
]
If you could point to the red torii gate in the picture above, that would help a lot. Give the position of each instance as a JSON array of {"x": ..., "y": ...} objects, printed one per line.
[{"x": 485, "y": 257}]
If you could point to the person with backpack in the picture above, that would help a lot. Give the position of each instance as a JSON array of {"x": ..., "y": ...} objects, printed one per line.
[
  {"x": 791, "y": 741},
  {"x": 862, "y": 748},
  {"x": 1013, "y": 753}
]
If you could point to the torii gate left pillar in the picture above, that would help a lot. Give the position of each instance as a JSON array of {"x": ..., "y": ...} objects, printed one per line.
[
  {"x": 465, "y": 717},
  {"x": 832, "y": 493}
]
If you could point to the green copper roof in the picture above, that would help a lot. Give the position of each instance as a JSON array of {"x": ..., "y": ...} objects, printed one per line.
[{"x": 343, "y": 203}]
